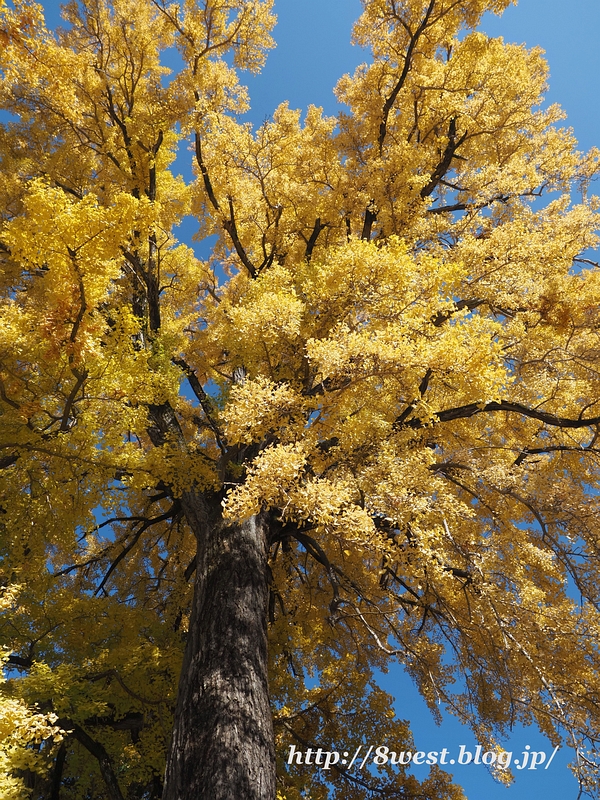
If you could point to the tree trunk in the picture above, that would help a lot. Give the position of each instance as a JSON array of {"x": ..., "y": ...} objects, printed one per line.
[{"x": 222, "y": 746}]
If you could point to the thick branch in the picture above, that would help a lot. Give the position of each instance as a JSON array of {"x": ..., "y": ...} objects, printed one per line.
[
  {"x": 205, "y": 176},
  {"x": 442, "y": 316},
  {"x": 65, "y": 188},
  {"x": 446, "y": 160},
  {"x": 497, "y": 198},
  {"x": 151, "y": 192},
  {"x": 422, "y": 389},
  {"x": 327, "y": 385},
  {"x": 470, "y": 410},
  {"x": 561, "y": 448},
  {"x": 83, "y": 303},
  {"x": 451, "y": 209},
  {"x": 80, "y": 377},
  {"x": 57, "y": 772},
  {"x": 190, "y": 569},
  {"x": 19, "y": 661},
  {"x": 164, "y": 425},
  {"x": 230, "y": 226},
  {"x": 318, "y": 227},
  {"x": 370, "y": 219}
]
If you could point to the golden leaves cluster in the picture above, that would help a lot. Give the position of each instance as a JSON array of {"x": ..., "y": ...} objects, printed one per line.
[{"x": 380, "y": 353}]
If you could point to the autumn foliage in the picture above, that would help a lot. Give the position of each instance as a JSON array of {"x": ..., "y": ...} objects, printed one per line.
[{"x": 366, "y": 427}]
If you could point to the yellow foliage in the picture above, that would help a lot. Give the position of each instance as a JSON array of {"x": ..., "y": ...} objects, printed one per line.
[
  {"x": 390, "y": 363},
  {"x": 22, "y": 731}
]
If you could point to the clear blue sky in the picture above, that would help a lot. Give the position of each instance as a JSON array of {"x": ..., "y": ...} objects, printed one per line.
[{"x": 313, "y": 52}]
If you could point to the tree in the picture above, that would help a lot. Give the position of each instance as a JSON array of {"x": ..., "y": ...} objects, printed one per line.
[{"x": 364, "y": 430}]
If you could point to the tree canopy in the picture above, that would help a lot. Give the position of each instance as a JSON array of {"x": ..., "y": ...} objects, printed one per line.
[{"x": 364, "y": 431}]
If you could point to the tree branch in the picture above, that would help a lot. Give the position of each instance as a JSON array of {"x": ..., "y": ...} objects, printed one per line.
[
  {"x": 8, "y": 461},
  {"x": 112, "y": 673},
  {"x": 190, "y": 569},
  {"x": 58, "y": 771},
  {"x": 470, "y": 410},
  {"x": 98, "y": 751},
  {"x": 203, "y": 399},
  {"x": 80, "y": 377},
  {"x": 442, "y": 316},
  {"x": 370, "y": 219},
  {"x": 318, "y": 227},
  {"x": 229, "y": 224},
  {"x": 562, "y": 448},
  {"x": 422, "y": 389},
  {"x": 446, "y": 160},
  {"x": 204, "y": 172},
  {"x": 404, "y": 74},
  {"x": 20, "y": 662},
  {"x": 171, "y": 513}
]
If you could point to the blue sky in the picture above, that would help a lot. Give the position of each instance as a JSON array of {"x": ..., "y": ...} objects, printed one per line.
[{"x": 313, "y": 52}]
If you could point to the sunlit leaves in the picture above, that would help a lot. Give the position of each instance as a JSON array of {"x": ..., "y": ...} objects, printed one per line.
[{"x": 391, "y": 355}]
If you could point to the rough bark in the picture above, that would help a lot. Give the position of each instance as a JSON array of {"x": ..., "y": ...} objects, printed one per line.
[{"x": 222, "y": 746}]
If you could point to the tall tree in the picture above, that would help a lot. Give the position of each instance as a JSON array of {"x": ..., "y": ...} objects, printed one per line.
[{"x": 365, "y": 430}]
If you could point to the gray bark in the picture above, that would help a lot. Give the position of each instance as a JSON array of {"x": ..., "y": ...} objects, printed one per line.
[{"x": 222, "y": 746}]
